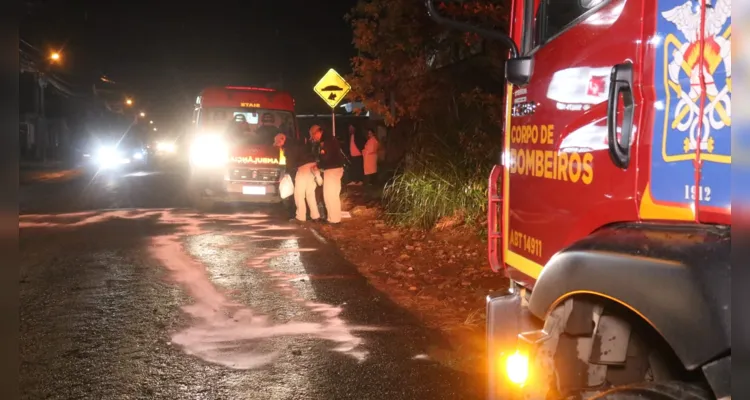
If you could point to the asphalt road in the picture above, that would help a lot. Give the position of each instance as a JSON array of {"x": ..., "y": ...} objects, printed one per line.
[{"x": 127, "y": 293}]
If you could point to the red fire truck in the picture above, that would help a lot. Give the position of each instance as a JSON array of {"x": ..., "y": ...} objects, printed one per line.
[
  {"x": 609, "y": 209},
  {"x": 232, "y": 157}
]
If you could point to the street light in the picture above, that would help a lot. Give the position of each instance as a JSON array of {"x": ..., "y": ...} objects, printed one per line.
[
  {"x": 143, "y": 114},
  {"x": 55, "y": 56},
  {"x": 154, "y": 129},
  {"x": 129, "y": 102},
  {"x": 151, "y": 122}
]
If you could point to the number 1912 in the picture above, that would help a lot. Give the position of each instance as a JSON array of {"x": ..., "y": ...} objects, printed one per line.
[{"x": 704, "y": 193}]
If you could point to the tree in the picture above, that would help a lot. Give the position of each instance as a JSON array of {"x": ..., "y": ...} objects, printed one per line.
[
  {"x": 397, "y": 43},
  {"x": 444, "y": 95}
]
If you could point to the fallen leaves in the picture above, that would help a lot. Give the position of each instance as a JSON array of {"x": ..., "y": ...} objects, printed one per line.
[{"x": 441, "y": 276}]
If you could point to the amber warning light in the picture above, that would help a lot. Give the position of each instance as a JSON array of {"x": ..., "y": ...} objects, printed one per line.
[{"x": 517, "y": 368}]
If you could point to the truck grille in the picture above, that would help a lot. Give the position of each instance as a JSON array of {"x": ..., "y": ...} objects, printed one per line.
[{"x": 253, "y": 174}]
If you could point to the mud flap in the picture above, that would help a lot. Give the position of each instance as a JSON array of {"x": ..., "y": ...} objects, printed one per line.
[{"x": 506, "y": 319}]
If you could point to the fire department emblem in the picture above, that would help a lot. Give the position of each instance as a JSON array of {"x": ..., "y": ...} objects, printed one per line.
[{"x": 685, "y": 67}]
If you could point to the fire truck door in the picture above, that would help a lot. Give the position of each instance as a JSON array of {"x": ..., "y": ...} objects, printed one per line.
[
  {"x": 679, "y": 135},
  {"x": 565, "y": 180}
]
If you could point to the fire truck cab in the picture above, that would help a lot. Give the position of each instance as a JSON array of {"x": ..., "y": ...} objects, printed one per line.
[
  {"x": 232, "y": 157},
  {"x": 609, "y": 208}
]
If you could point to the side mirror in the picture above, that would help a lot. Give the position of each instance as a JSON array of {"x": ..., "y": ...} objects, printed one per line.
[{"x": 518, "y": 70}]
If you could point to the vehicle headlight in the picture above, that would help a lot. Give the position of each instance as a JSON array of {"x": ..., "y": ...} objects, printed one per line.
[
  {"x": 138, "y": 155},
  {"x": 165, "y": 147},
  {"x": 108, "y": 153},
  {"x": 209, "y": 151},
  {"x": 108, "y": 156}
]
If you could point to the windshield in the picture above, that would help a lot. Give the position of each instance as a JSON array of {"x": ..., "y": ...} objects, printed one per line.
[{"x": 256, "y": 126}]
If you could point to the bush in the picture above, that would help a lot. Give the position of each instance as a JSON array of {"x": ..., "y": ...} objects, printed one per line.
[
  {"x": 421, "y": 196},
  {"x": 444, "y": 176}
]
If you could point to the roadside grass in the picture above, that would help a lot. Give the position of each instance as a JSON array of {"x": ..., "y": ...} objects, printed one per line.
[
  {"x": 424, "y": 194},
  {"x": 443, "y": 180}
]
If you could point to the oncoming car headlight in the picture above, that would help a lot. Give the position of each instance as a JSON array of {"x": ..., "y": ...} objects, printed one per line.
[
  {"x": 108, "y": 153},
  {"x": 110, "y": 156},
  {"x": 209, "y": 151}
]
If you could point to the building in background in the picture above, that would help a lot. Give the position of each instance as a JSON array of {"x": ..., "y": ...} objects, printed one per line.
[{"x": 59, "y": 114}]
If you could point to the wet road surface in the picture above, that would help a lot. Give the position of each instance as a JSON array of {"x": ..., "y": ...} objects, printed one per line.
[{"x": 148, "y": 299}]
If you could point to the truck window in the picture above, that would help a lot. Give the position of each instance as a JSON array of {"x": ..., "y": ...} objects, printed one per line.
[
  {"x": 256, "y": 127},
  {"x": 554, "y": 16}
]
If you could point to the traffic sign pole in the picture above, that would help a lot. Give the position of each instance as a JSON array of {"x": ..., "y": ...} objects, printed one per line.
[{"x": 333, "y": 122}]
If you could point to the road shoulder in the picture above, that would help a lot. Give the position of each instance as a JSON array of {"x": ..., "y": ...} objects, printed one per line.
[{"x": 440, "y": 276}]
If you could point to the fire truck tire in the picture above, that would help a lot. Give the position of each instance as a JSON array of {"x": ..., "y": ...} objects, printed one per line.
[
  {"x": 656, "y": 391},
  {"x": 575, "y": 339}
]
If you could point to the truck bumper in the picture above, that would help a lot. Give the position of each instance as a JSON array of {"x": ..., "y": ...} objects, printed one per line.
[
  {"x": 213, "y": 185},
  {"x": 507, "y": 322},
  {"x": 249, "y": 192}
]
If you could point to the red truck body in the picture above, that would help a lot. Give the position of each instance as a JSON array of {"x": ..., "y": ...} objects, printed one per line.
[
  {"x": 249, "y": 99},
  {"x": 246, "y": 97},
  {"x": 235, "y": 159},
  {"x": 609, "y": 209},
  {"x": 558, "y": 181}
]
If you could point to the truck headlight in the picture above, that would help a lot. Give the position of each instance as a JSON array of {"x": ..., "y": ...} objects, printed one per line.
[{"x": 209, "y": 151}]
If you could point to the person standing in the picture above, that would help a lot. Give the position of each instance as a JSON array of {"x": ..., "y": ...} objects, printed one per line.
[
  {"x": 304, "y": 182},
  {"x": 291, "y": 149},
  {"x": 370, "y": 155},
  {"x": 355, "y": 152},
  {"x": 332, "y": 164}
]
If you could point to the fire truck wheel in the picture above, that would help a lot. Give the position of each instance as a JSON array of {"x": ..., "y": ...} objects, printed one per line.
[
  {"x": 656, "y": 391},
  {"x": 617, "y": 351}
]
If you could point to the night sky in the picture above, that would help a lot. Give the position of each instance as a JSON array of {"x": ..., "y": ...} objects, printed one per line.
[{"x": 165, "y": 52}]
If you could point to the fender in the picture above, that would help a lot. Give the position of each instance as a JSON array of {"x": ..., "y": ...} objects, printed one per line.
[{"x": 677, "y": 278}]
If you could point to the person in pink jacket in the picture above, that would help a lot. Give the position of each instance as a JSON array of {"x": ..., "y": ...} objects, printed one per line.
[{"x": 370, "y": 157}]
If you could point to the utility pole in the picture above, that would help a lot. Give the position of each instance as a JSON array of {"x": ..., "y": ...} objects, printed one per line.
[{"x": 41, "y": 131}]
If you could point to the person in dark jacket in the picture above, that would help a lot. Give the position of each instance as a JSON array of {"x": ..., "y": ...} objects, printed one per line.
[
  {"x": 331, "y": 161},
  {"x": 300, "y": 161}
]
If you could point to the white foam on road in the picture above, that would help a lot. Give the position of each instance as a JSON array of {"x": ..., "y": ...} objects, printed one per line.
[{"x": 223, "y": 331}]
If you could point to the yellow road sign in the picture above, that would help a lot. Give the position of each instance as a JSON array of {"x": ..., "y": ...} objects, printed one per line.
[{"x": 332, "y": 88}]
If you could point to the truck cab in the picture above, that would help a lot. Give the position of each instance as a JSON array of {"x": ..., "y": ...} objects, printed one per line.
[
  {"x": 609, "y": 208},
  {"x": 232, "y": 157}
]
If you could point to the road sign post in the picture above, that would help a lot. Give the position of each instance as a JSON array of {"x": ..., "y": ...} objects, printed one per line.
[{"x": 332, "y": 88}]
